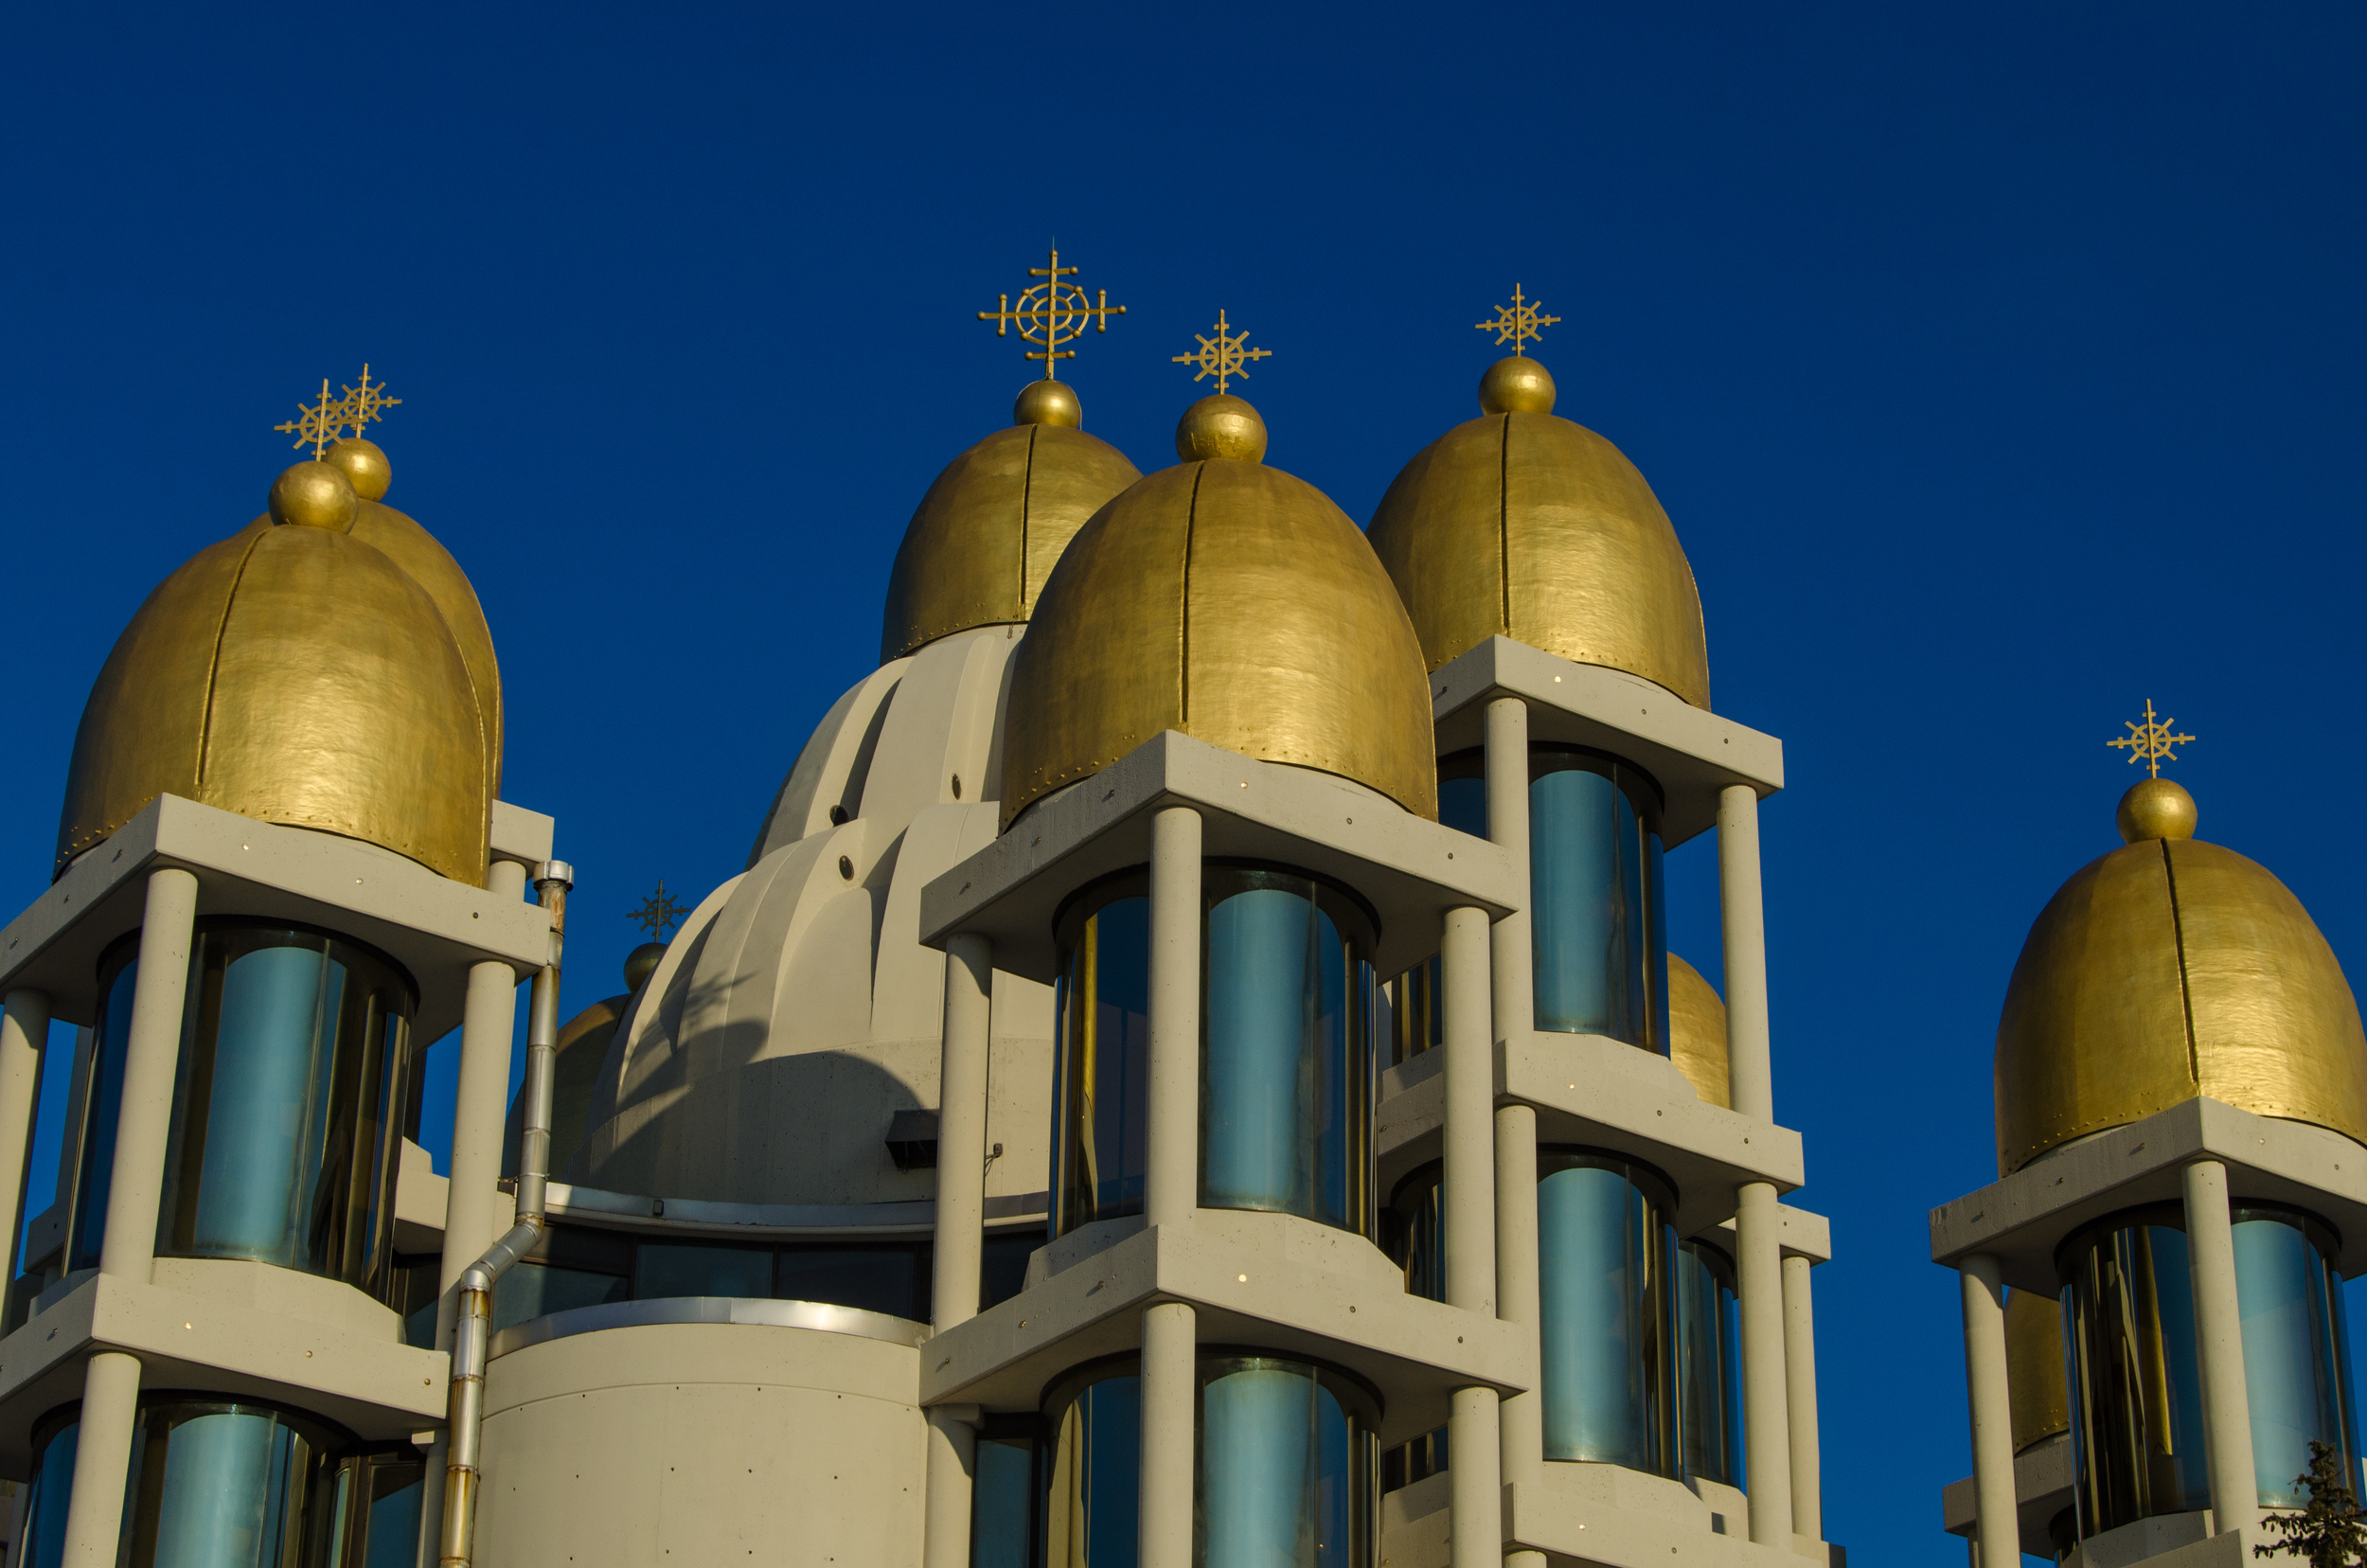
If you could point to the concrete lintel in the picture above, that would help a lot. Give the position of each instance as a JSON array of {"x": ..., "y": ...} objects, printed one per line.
[
  {"x": 1804, "y": 1235},
  {"x": 1589, "y": 1531},
  {"x": 379, "y": 1390},
  {"x": 2023, "y": 1218},
  {"x": 522, "y": 836},
  {"x": 433, "y": 926},
  {"x": 1250, "y": 1277},
  {"x": 1603, "y": 1093},
  {"x": 1411, "y": 871},
  {"x": 1691, "y": 752},
  {"x": 2042, "y": 1489}
]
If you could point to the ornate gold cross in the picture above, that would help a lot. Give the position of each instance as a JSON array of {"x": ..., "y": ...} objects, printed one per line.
[
  {"x": 363, "y": 403},
  {"x": 1222, "y": 356},
  {"x": 657, "y": 912},
  {"x": 319, "y": 424},
  {"x": 1519, "y": 322},
  {"x": 2150, "y": 741},
  {"x": 1052, "y": 313}
]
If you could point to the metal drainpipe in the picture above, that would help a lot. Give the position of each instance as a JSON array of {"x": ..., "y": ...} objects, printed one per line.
[{"x": 472, "y": 1333}]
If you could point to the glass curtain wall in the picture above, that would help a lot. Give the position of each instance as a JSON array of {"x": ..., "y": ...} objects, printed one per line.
[
  {"x": 2297, "y": 1353},
  {"x": 1007, "y": 1491},
  {"x": 1709, "y": 1367},
  {"x": 290, "y": 1103},
  {"x": 1607, "y": 1255},
  {"x": 1285, "y": 1475},
  {"x": 1414, "y": 1234},
  {"x": 1286, "y": 1046}
]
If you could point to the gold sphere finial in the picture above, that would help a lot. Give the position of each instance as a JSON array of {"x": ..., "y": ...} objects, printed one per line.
[
  {"x": 2156, "y": 809},
  {"x": 365, "y": 464},
  {"x": 641, "y": 963},
  {"x": 314, "y": 494},
  {"x": 1517, "y": 384},
  {"x": 1048, "y": 402},
  {"x": 1220, "y": 425}
]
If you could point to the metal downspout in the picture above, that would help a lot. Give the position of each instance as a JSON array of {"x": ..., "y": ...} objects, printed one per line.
[{"x": 473, "y": 1332}]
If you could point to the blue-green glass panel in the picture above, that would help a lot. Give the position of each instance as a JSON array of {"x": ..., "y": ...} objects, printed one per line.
[
  {"x": 269, "y": 1099},
  {"x": 1587, "y": 918},
  {"x": 1093, "y": 1513},
  {"x": 1259, "y": 1105},
  {"x": 1601, "y": 1256},
  {"x": 394, "y": 1517},
  {"x": 1102, "y": 1016},
  {"x": 665, "y": 1268},
  {"x": 49, "y": 1490},
  {"x": 103, "y": 1104},
  {"x": 1259, "y": 1466},
  {"x": 2136, "y": 1386},
  {"x": 1463, "y": 804},
  {"x": 530, "y": 1291},
  {"x": 2290, "y": 1300},
  {"x": 1709, "y": 1374},
  {"x": 224, "y": 1501},
  {"x": 1003, "y": 1504}
]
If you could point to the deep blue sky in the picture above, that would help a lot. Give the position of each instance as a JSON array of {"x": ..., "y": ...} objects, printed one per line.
[{"x": 1999, "y": 367}]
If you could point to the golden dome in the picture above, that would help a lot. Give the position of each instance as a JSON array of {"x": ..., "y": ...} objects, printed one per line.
[
  {"x": 1521, "y": 524},
  {"x": 2037, "y": 1401},
  {"x": 312, "y": 674},
  {"x": 2171, "y": 969},
  {"x": 1232, "y": 602},
  {"x": 983, "y": 538},
  {"x": 1697, "y": 1031}
]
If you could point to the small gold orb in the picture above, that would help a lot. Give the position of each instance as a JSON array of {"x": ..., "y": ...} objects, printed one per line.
[
  {"x": 314, "y": 495},
  {"x": 1048, "y": 402},
  {"x": 1220, "y": 425},
  {"x": 641, "y": 963},
  {"x": 2156, "y": 809},
  {"x": 1517, "y": 385},
  {"x": 365, "y": 465}
]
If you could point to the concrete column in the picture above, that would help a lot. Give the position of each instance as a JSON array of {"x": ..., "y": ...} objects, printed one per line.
[
  {"x": 1766, "y": 1417},
  {"x": 24, "y": 1033},
  {"x": 102, "y": 1455},
  {"x": 1807, "y": 1484},
  {"x": 1475, "y": 1518},
  {"x": 1750, "y": 1077},
  {"x": 962, "y": 1134},
  {"x": 1522, "y": 1416},
  {"x": 1170, "y": 1443},
  {"x": 1508, "y": 825},
  {"x": 1995, "y": 1516},
  {"x": 953, "y": 1470},
  {"x": 152, "y": 1056},
  {"x": 473, "y": 1216},
  {"x": 1172, "y": 1168},
  {"x": 1470, "y": 1134},
  {"x": 2219, "y": 1348}
]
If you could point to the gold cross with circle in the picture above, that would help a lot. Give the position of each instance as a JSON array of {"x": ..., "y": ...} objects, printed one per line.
[
  {"x": 2151, "y": 742},
  {"x": 1052, "y": 313},
  {"x": 1222, "y": 356},
  {"x": 1518, "y": 323},
  {"x": 657, "y": 912},
  {"x": 325, "y": 422}
]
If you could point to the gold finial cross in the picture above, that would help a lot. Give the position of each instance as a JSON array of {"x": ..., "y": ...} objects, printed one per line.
[
  {"x": 319, "y": 424},
  {"x": 2150, "y": 741},
  {"x": 1519, "y": 322},
  {"x": 1052, "y": 313},
  {"x": 1222, "y": 356},
  {"x": 326, "y": 422},
  {"x": 657, "y": 912}
]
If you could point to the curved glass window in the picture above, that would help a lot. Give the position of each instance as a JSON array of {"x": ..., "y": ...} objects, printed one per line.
[
  {"x": 1605, "y": 1254},
  {"x": 1286, "y": 1093},
  {"x": 1285, "y": 1472},
  {"x": 1597, "y": 927},
  {"x": 103, "y": 1102},
  {"x": 51, "y": 1488},
  {"x": 1101, "y": 1054},
  {"x": 1709, "y": 1367},
  {"x": 2128, "y": 1350},
  {"x": 1414, "y": 1233},
  {"x": 2296, "y": 1349}
]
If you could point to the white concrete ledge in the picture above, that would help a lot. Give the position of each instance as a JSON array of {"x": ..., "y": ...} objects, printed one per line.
[
  {"x": 1602, "y": 1516},
  {"x": 2042, "y": 1489}
]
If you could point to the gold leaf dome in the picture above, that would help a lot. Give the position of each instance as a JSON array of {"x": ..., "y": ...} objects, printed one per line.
[
  {"x": 1523, "y": 524},
  {"x": 2038, "y": 1400},
  {"x": 1237, "y": 604},
  {"x": 2166, "y": 970},
  {"x": 983, "y": 538},
  {"x": 1697, "y": 1032},
  {"x": 306, "y": 671}
]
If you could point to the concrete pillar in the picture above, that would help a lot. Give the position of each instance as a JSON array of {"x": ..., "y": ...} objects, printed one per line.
[
  {"x": 472, "y": 1215},
  {"x": 1172, "y": 1165},
  {"x": 952, "y": 1470},
  {"x": 151, "y": 1061},
  {"x": 1470, "y": 1134},
  {"x": 1522, "y": 1416},
  {"x": 1508, "y": 825},
  {"x": 1766, "y": 1411},
  {"x": 102, "y": 1455},
  {"x": 2219, "y": 1348},
  {"x": 1807, "y": 1484},
  {"x": 962, "y": 1131},
  {"x": 1748, "y": 1073},
  {"x": 1475, "y": 1519},
  {"x": 24, "y": 1034},
  {"x": 1170, "y": 1443},
  {"x": 1995, "y": 1516}
]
